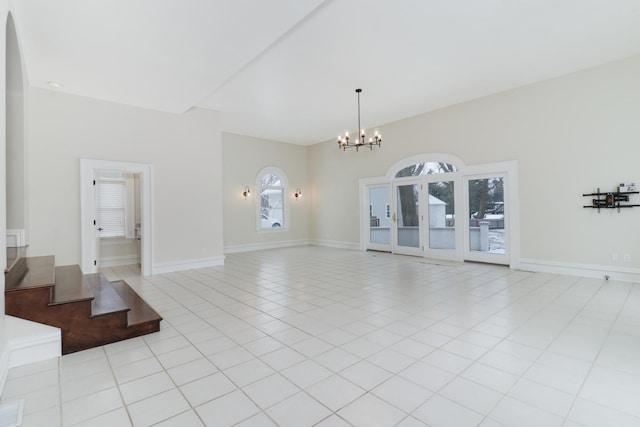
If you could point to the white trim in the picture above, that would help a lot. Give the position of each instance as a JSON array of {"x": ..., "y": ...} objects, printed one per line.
[
  {"x": 335, "y": 244},
  {"x": 116, "y": 261},
  {"x": 188, "y": 264},
  {"x": 583, "y": 270},
  {"x": 15, "y": 238},
  {"x": 262, "y": 246},
  {"x": 26, "y": 342},
  {"x": 88, "y": 168}
]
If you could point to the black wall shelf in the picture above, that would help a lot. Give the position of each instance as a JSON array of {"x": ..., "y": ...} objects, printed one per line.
[{"x": 611, "y": 200}]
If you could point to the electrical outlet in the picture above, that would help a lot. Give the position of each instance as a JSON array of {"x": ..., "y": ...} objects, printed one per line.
[
  {"x": 614, "y": 257},
  {"x": 627, "y": 257}
]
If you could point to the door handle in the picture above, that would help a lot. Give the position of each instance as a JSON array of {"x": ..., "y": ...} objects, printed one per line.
[
  {"x": 394, "y": 217},
  {"x": 99, "y": 228}
]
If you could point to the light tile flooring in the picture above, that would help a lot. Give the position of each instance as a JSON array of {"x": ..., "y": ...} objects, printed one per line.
[{"x": 316, "y": 336}]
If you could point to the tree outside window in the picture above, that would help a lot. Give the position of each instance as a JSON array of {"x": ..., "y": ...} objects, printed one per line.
[{"x": 272, "y": 201}]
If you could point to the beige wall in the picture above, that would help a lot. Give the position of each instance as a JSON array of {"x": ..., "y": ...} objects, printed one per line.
[
  {"x": 184, "y": 149},
  {"x": 569, "y": 135},
  {"x": 244, "y": 157}
]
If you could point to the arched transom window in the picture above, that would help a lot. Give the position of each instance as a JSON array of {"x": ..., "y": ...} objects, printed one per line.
[{"x": 426, "y": 168}]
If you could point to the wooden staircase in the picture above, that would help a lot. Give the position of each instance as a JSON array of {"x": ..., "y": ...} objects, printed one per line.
[{"x": 89, "y": 309}]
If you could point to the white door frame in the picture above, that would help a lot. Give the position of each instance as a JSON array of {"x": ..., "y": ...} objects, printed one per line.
[{"x": 88, "y": 169}]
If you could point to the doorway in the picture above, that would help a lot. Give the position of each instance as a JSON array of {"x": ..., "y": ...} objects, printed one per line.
[
  {"x": 92, "y": 172},
  {"x": 443, "y": 210},
  {"x": 117, "y": 204},
  {"x": 487, "y": 225}
]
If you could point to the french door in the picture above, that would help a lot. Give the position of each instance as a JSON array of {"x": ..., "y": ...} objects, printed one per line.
[
  {"x": 406, "y": 235},
  {"x": 441, "y": 227},
  {"x": 449, "y": 216},
  {"x": 378, "y": 224},
  {"x": 487, "y": 224}
]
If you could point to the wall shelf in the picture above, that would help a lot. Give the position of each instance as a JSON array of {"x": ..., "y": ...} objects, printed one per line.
[{"x": 610, "y": 200}]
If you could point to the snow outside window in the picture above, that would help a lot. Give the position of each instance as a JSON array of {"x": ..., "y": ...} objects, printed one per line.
[{"x": 272, "y": 201}]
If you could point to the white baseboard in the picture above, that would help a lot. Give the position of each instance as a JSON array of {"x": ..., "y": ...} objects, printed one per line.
[
  {"x": 16, "y": 238},
  {"x": 116, "y": 261},
  {"x": 583, "y": 270},
  {"x": 189, "y": 264},
  {"x": 26, "y": 342},
  {"x": 335, "y": 244},
  {"x": 261, "y": 246}
]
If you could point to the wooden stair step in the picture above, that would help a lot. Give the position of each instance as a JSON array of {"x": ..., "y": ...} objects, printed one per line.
[
  {"x": 69, "y": 286},
  {"x": 140, "y": 312},
  {"x": 106, "y": 297},
  {"x": 40, "y": 272},
  {"x": 89, "y": 309}
]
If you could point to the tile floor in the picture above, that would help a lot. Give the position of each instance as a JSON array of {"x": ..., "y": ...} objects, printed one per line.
[{"x": 323, "y": 337}]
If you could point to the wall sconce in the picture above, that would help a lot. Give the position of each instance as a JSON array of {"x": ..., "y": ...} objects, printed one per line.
[
  {"x": 246, "y": 193},
  {"x": 298, "y": 194}
]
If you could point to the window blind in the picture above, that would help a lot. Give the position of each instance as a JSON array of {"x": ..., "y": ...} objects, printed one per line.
[{"x": 111, "y": 208}]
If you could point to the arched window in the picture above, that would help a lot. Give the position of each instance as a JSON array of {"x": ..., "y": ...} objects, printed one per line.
[
  {"x": 273, "y": 206},
  {"x": 426, "y": 168}
]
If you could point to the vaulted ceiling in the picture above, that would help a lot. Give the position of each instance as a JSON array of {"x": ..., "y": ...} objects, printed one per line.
[{"x": 287, "y": 69}]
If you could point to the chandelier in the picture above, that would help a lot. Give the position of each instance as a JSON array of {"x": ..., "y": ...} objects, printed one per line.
[{"x": 345, "y": 141}]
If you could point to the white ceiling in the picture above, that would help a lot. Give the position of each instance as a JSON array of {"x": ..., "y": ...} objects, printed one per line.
[{"x": 287, "y": 69}]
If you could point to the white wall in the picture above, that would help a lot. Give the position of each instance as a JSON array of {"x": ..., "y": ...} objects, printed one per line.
[
  {"x": 3, "y": 163},
  {"x": 244, "y": 157},
  {"x": 184, "y": 150},
  {"x": 334, "y": 178},
  {"x": 14, "y": 133},
  {"x": 569, "y": 136}
]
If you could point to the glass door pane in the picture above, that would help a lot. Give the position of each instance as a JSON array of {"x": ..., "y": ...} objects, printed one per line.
[
  {"x": 406, "y": 219},
  {"x": 486, "y": 234},
  {"x": 441, "y": 211},
  {"x": 379, "y": 218}
]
